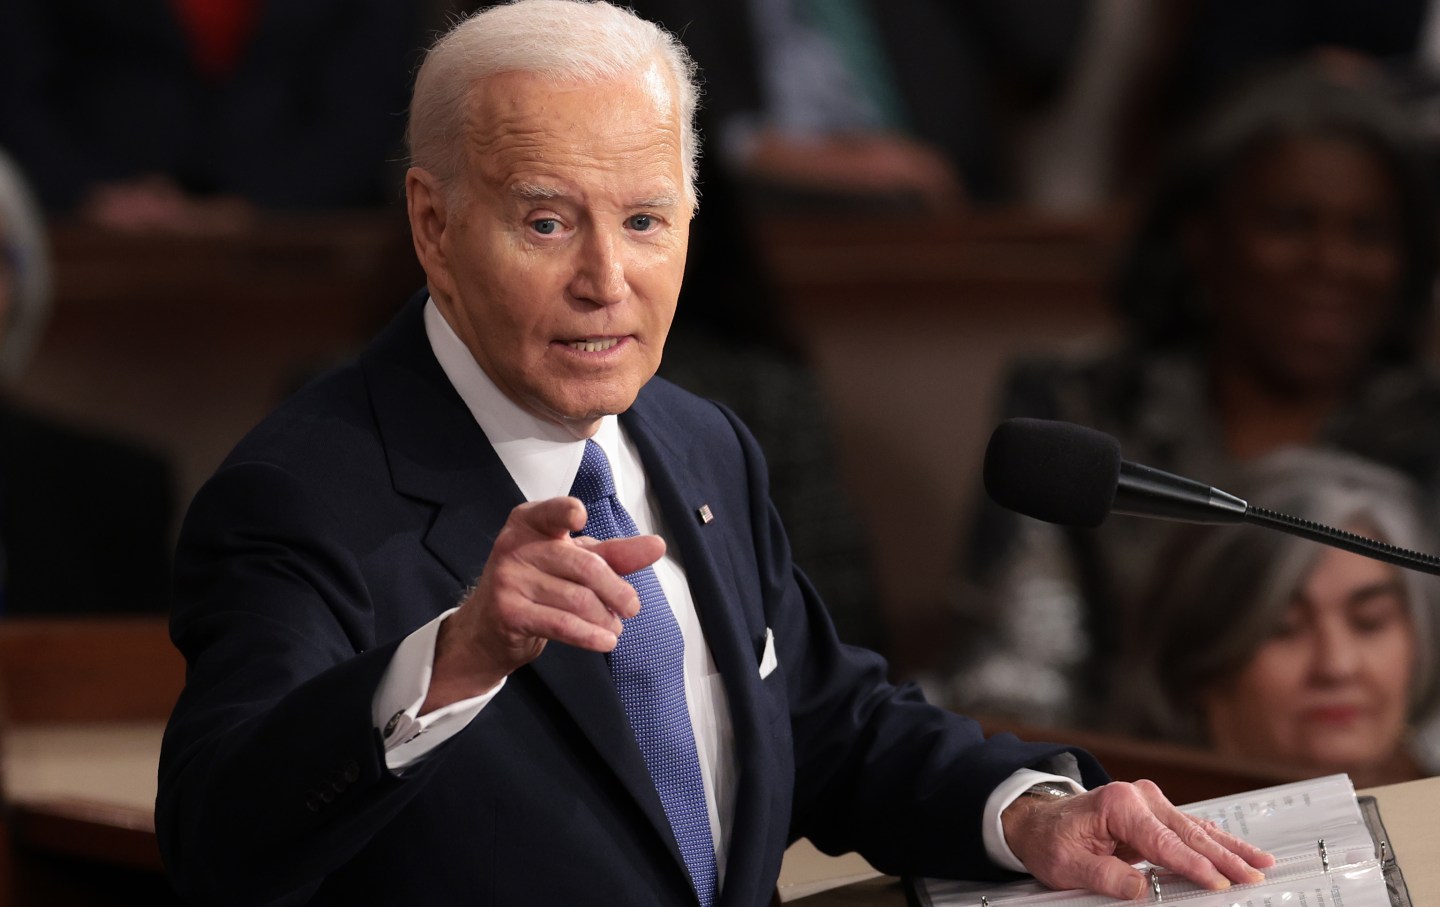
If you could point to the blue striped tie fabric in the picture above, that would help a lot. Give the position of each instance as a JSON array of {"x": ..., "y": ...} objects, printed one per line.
[{"x": 648, "y": 668}]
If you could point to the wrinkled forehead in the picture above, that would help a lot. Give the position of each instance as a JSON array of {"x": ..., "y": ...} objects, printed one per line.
[{"x": 630, "y": 121}]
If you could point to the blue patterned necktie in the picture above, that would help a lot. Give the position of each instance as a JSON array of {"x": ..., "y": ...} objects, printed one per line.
[{"x": 649, "y": 672}]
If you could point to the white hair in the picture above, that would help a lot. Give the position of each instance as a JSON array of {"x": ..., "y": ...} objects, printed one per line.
[
  {"x": 572, "y": 40},
  {"x": 23, "y": 243},
  {"x": 1227, "y": 587}
]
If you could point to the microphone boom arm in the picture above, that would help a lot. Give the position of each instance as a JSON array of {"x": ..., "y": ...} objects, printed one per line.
[{"x": 1348, "y": 541}]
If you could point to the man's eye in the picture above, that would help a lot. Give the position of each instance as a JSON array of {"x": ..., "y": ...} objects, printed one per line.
[
  {"x": 546, "y": 226},
  {"x": 642, "y": 222}
]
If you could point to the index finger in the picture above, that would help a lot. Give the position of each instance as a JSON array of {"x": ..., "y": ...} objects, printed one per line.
[{"x": 552, "y": 517}]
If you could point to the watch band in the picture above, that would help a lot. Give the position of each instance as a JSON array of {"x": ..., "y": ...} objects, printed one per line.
[{"x": 1049, "y": 790}]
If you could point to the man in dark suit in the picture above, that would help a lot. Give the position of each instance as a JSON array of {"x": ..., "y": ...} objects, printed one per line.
[{"x": 413, "y": 680}]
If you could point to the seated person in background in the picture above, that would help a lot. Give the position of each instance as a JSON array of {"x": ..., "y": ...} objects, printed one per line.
[
  {"x": 84, "y": 520},
  {"x": 428, "y": 657},
  {"x": 1274, "y": 295},
  {"x": 733, "y": 342},
  {"x": 186, "y": 115},
  {"x": 1279, "y": 650},
  {"x": 867, "y": 103}
]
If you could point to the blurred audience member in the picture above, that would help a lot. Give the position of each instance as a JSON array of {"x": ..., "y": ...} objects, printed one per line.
[
  {"x": 1270, "y": 648},
  {"x": 186, "y": 114},
  {"x": 1277, "y": 293},
  {"x": 1069, "y": 151},
  {"x": 858, "y": 102},
  {"x": 1202, "y": 49},
  {"x": 84, "y": 520},
  {"x": 1227, "y": 41},
  {"x": 732, "y": 342}
]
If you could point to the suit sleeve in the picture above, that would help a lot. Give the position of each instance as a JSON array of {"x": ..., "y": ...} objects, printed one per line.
[
  {"x": 877, "y": 769},
  {"x": 271, "y": 773}
]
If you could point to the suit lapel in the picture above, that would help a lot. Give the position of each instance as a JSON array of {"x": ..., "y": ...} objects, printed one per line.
[
  {"x": 437, "y": 453},
  {"x": 681, "y": 491}
]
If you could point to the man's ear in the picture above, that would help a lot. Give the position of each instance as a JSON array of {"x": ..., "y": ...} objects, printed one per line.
[{"x": 426, "y": 205}]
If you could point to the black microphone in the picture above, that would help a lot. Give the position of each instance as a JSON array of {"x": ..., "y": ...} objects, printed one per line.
[{"x": 1064, "y": 473}]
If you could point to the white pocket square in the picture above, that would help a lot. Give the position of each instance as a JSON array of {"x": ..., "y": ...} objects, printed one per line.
[{"x": 768, "y": 661}]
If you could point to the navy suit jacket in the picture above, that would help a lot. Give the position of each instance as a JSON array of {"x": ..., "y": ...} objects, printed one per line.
[{"x": 364, "y": 507}]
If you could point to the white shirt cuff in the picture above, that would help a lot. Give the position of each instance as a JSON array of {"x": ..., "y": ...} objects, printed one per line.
[
  {"x": 1008, "y": 792},
  {"x": 406, "y": 733}
]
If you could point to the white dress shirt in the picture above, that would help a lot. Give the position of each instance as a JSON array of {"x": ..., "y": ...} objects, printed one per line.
[{"x": 543, "y": 459}]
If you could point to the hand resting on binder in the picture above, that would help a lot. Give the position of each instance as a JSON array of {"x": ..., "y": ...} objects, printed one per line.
[{"x": 1089, "y": 841}]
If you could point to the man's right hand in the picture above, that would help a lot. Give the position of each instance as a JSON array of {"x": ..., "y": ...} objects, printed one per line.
[{"x": 540, "y": 584}]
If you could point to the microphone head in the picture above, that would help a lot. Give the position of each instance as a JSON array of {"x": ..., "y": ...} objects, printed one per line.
[{"x": 1053, "y": 471}]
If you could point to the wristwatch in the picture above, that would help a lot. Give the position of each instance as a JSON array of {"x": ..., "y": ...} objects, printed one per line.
[{"x": 1048, "y": 790}]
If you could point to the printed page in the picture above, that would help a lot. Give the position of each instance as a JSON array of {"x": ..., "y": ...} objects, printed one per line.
[
  {"x": 1290, "y": 816},
  {"x": 1289, "y": 820}
]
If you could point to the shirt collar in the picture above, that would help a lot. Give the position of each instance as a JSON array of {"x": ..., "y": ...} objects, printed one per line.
[{"x": 540, "y": 456}]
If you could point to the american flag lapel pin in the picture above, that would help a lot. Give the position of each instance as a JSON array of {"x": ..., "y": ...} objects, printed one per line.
[{"x": 703, "y": 512}]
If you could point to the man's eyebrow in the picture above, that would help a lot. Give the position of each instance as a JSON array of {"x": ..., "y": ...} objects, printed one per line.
[
  {"x": 657, "y": 201},
  {"x": 534, "y": 192}
]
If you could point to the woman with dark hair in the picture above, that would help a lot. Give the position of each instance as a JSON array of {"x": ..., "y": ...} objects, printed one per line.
[
  {"x": 1271, "y": 648},
  {"x": 1276, "y": 293}
]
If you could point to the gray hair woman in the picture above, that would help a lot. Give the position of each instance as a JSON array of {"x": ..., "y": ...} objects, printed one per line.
[
  {"x": 1271, "y": 648},
  {"x": 24, "y": 271}
]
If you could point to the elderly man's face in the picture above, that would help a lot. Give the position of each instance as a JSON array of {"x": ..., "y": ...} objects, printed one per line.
[{"x": 560, "y": 264}]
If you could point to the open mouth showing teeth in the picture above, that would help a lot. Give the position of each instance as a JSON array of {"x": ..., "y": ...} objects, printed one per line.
[{"x": 593, "y": 346}]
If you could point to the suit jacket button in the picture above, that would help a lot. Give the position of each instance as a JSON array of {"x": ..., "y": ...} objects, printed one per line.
[{"x": 351, "y": 771}]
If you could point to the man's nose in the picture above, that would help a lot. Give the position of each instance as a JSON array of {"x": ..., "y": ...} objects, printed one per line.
[{"x": 600, "y": 269}]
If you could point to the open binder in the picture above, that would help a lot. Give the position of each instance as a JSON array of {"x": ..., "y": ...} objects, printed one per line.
[{"x": 1330, "y": 849}]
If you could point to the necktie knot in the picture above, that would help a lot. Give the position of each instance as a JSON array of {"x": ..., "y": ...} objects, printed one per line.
[{"x": 593, "y": 482}]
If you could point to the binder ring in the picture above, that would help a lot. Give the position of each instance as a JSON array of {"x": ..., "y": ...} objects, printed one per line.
[
  {"x": 1155, "y": 884},
  {"x": 1324, "y": 857}
]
